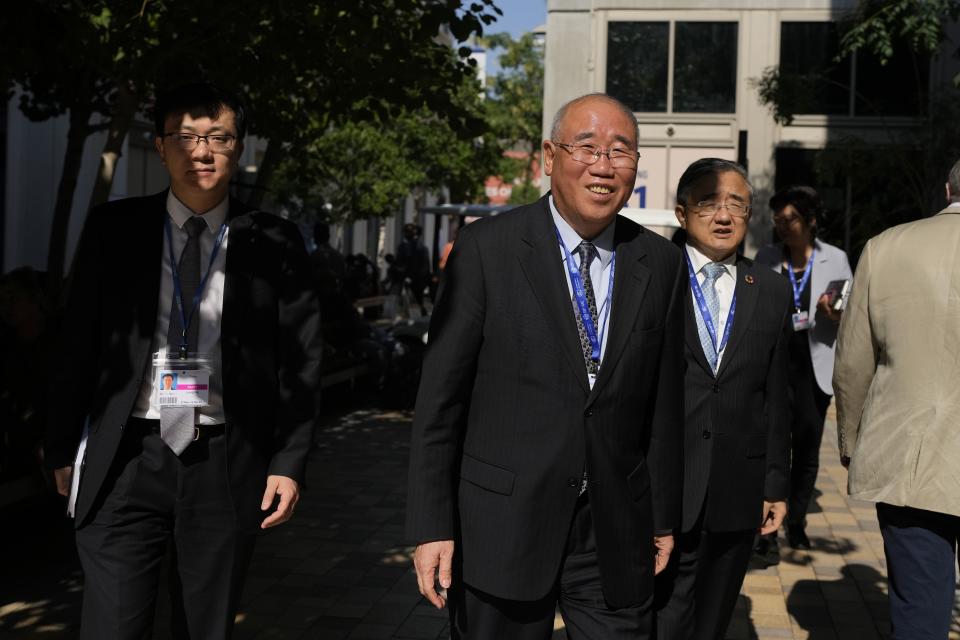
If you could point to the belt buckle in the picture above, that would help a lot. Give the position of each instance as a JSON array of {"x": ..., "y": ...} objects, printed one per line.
[{"x": 196, "y": 433}]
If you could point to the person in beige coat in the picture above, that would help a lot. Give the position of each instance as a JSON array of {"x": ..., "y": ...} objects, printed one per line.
[{"x": 898, "y": 408}]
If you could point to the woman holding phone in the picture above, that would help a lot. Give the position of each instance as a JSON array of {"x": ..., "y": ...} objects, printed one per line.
[{"x": 817, "y": 272}]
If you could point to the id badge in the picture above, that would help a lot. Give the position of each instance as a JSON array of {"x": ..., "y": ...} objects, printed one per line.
[
  {"x": 181, "y": 382},
  {"x": 801, "y": 321}
]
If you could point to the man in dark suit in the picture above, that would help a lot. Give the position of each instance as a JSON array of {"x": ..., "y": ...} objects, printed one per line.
[
  {"x": 201, "y": 478},
  {"x": 545, "y": 465},
  {"x": 736, "y": 437}
]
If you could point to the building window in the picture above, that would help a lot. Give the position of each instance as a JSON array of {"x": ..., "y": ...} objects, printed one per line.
[
  {"x": 637, "y": 59},
  {"x": 857, "y": 85},
  {"x": 705, "y": 67},
  {"x": 701, "y": 77},
  {"x": 807, "y": 52}
]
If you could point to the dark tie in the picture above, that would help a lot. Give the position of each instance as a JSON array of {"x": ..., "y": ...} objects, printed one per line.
[
  {"x": 177, "y": 423},
  {"x": 587, "y": 251},
  {"x": 189, "y": 271}
]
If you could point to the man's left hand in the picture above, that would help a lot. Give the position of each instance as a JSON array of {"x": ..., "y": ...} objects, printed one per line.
[
  {"x": 825, "y": 305},
  {"x": 664, "y": 547},
  {"x": 288, "y": 491},
  {"x": 773, "y": 515}
]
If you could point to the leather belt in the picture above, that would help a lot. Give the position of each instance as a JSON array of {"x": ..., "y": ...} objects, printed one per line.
[{"x": 200, "y": 431}]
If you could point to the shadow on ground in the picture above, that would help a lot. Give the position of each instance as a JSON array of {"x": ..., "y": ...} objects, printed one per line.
[
  {"x": 856, "y": 605},
  {"x": 40, "y": 579}
]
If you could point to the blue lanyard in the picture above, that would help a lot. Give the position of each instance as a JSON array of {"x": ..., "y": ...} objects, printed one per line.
[
  {"x": 705, "y": 312},
  {"x": 186, "y": 319},
  {"x": 798, "y": 288},
  {"x": 580, "y": 295}
]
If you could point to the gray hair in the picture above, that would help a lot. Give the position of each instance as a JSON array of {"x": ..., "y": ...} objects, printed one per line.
[
  {"x": 954, "y": 181},
  {"x": 708, "y": 167},
  {"x": 562, "y": 112}
]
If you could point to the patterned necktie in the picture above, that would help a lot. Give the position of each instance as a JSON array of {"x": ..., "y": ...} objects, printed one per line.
[
  {"x": 711, "y": 271},
  {"x": 587, "y": 252},
  {"x": 177, "y": 423}
]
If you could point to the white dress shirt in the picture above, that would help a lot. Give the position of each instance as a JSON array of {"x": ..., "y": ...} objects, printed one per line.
[
  {"x": 725, "y": 286},
  {"x": 209, "y": 314},
  {"x": 599, "y": 270}
]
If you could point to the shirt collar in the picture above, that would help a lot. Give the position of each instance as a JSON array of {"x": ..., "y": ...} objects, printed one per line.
[
  {"x": 698, "y": 260},
  {"x": 180, "y": 213},
  {"x": 571, "y": 239}
]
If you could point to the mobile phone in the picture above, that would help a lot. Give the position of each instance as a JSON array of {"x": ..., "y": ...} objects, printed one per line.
[{"x": 837, "y": 290}]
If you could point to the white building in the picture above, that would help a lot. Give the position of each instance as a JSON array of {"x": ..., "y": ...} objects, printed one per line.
[{"x": 687, "y": 68}]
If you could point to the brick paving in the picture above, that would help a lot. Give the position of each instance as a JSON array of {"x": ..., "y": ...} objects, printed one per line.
[{"x": 340, "y": 568}]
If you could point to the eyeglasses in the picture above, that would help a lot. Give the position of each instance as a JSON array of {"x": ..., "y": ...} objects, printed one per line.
[
  {"x": 784, "y": 220},
  {"x": 707, "y": 208},
  {"x": 216, "y": 142},
  {"x": 619, "y": 157}
]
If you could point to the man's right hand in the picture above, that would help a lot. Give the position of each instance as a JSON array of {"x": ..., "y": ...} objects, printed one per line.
[
  {"x": 62, "y": 477},
  {"x": 428, "y": 558}
]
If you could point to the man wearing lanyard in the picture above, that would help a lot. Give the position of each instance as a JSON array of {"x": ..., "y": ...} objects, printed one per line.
[
  {"x": 199, "y": 316},
  {"x": 736, "y": 436},
  {"x": 545, "y": 458}
]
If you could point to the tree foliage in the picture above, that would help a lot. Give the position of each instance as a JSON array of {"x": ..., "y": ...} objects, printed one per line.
[
  {"x": 364, "y": 168},
  {"x": 301, "y": 65},
  {"x": 878, "y": 26},
  {"x": 514, "y": 109},
  {"x": 515, "y": 95}
]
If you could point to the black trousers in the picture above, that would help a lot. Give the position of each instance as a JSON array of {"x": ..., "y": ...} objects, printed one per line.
[
  {"x": 696, "y": 594},
  {"x": 921, "y": 551},
  {"x": 153, "y": 500},
  {"x": 809, "y": 407},
  {"x": 475, "y": 615}
]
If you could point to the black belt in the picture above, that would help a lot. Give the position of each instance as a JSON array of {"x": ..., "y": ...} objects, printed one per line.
[{"x": 200, "y": 431}]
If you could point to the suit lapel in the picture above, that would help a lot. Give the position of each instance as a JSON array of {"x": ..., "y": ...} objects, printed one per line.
[
  {"x": 693, "y": 335},
  {"x": 150, "y": 259},
  {"x": 747, "y": 292},
  {"x": 539, "y": 256},
  {"x": 241, "y": 248},
  {"x": 630, "y": 280}
]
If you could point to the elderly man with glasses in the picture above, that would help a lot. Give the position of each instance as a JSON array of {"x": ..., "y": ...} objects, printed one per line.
[
  {"x": 545, "y": 463},
  {"x": 736, "y": 435}
]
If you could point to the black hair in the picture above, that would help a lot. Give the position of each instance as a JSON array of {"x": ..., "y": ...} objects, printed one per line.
[
  {"x": 804, "y": 199},
  {"x": 321, "y": 233},
  {"x": 708, "y": 167},
  {"x": 198, "y": 99}
]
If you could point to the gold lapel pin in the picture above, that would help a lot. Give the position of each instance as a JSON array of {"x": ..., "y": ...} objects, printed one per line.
[{"x": 749, "y": 279}]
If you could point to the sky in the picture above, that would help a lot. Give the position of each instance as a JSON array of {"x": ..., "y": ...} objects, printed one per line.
[{"x": 519, "y": 17}]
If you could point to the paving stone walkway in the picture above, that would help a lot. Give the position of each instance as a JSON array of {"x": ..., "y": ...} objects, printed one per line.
[{"x": 340, "y": 568}]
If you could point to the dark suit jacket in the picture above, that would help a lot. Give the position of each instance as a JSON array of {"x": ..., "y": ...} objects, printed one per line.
[
  {"x": 737, "y": 434},
  {"x": 269, "y": 343},
  {"x": 506, "y": 421}
]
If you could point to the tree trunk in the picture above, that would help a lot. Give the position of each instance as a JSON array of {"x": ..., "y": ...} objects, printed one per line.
[
  {"x": 123, "y": 114},
  {"x": 271, "y": 158},
  {"x": 72, "y": 159}
]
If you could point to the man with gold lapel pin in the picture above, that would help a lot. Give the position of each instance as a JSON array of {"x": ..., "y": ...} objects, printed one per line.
[{"x": 736, "y": 433}]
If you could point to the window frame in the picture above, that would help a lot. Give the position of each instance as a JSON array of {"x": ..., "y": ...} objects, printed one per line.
[
  {"x": 671, "y": 18},
  {"x": 850, "y": 119}
]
